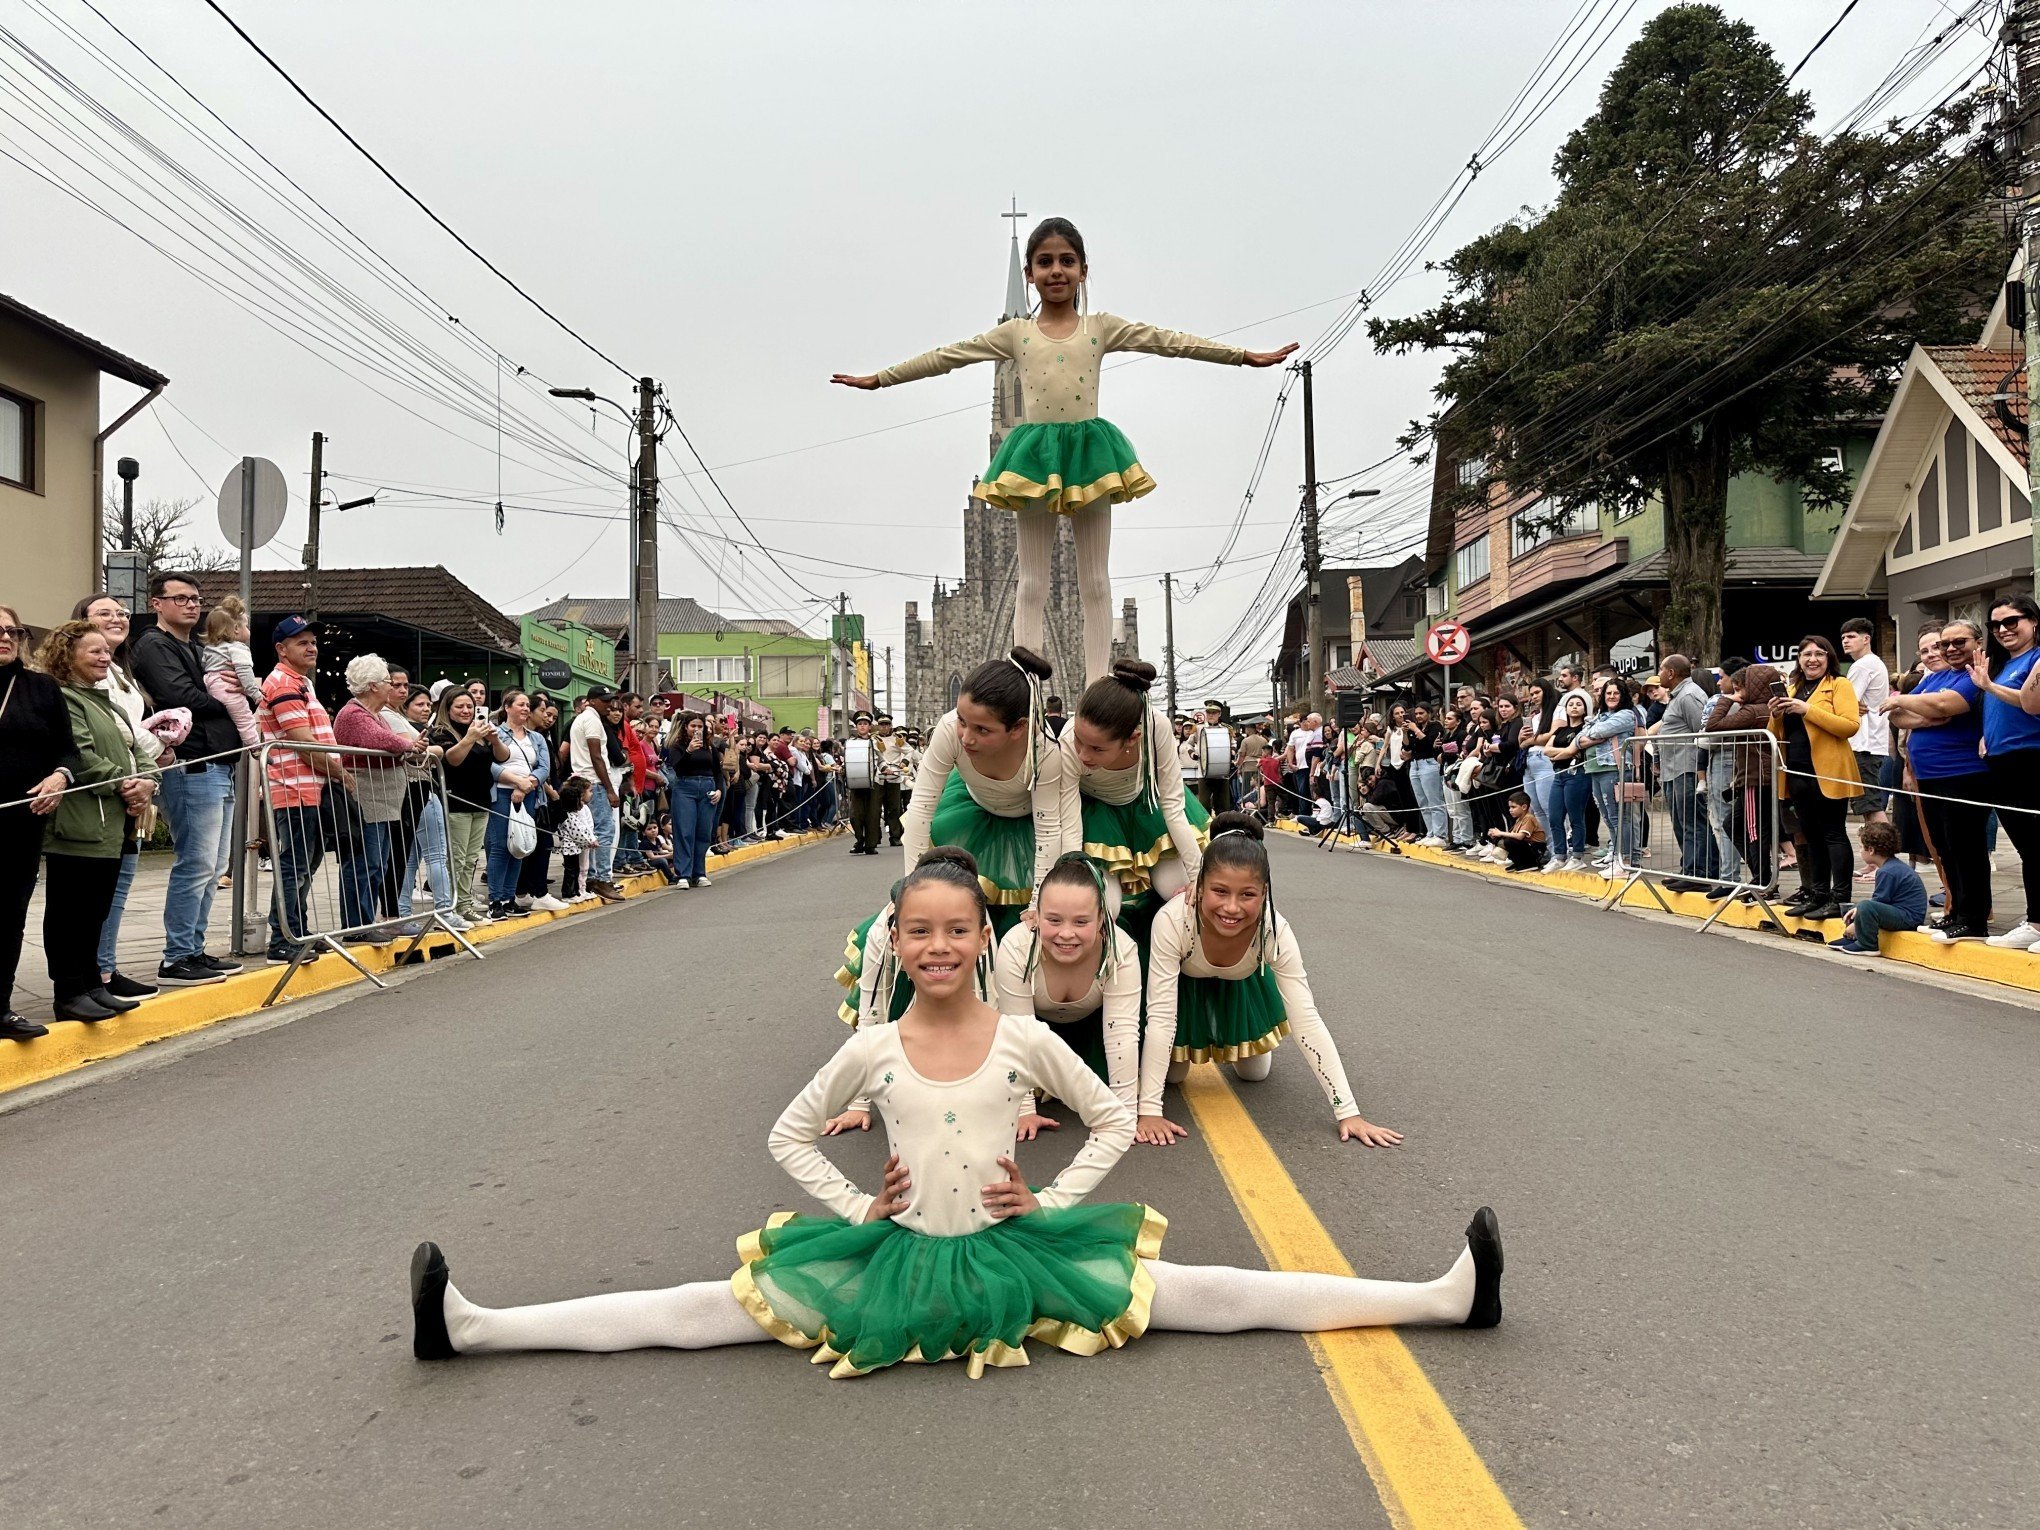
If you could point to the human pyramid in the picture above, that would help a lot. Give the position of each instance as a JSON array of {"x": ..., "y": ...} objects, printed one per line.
[{"x": 1072, "y": 926}]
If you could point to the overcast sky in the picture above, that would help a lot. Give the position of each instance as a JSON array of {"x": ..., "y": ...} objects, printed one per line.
[{"x": 740, "y": 199}]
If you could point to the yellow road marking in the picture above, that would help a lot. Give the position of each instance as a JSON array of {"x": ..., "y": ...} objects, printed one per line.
[{"x": 1425, "y": 1469}]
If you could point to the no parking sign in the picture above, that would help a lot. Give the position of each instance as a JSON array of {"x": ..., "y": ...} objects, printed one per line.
[{"x": 1448, "y": 644}]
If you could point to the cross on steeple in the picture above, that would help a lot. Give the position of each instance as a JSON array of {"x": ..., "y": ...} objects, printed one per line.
[{"x": 1016, "y": 280}]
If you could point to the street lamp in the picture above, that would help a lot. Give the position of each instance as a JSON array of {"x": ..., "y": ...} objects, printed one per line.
[{"x": 644, "y": 540}]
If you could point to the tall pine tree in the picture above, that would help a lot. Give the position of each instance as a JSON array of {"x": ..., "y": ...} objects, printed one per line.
[{"x": 1715, "y": 290}]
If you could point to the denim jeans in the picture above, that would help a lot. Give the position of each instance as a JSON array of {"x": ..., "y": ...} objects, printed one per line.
[
  {"x": 1721, "y": 812},
  {"x": 377, "y": 838},
  {"x": 196, "y": 802},
  {"x": 1690, "y": 827},
  {"x": 1457, "y": 814},
  {"x": 602, "y": 857},
  {"x": 429, "y": 846},
  {"x": 109, "y": 930},
  {"x": 693, "y": 825},
  {"x": 503, "y": 866},
  {"x": 1620, "y": 817},
  {"x": 751, "y": 806},
  {"x": 1427, "y": 782},
  {"x": 1569, "y": 795},
  {"x": 297, "y": 854},
  {"x": 1537, "y": 782}
]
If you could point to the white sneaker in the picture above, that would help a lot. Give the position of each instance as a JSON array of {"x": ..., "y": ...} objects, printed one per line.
[
  {"x": 2020, "y": 937},
  {"x": 525, "y": 902},
  {"x": 548, "y": 904},
  {"x": 703, "y": 882},
  {"x": 1574, "y": 863},
  {"x": 1431, "y": 842},
  {"x": 457, "y": 924}
]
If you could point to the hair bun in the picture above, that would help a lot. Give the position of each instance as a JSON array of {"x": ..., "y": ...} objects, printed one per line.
[
  {"x": 952, "y": 853},
  {"x": 1242, "y": 823},
  {"x": 1134, "y": 675},
  {"x": 1033, "y": 663}
]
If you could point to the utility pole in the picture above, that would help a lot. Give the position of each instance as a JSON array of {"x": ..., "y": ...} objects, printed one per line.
[
  {"x": 1169, "y": 636},
  {"x": 2023, "y": 29},
  {"x": 840, "y": 654},
  {"x": 317, "y": 494},
  {"x": 1314, "y": 613},
  {"x": 888, "y": 679},
  {"x": 644, "y": 631}
]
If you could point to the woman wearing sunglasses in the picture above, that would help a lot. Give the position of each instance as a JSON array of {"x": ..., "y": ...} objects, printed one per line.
[
  {"x": 1944, "y": 714},
  {"x": 2011, "y": 746}
]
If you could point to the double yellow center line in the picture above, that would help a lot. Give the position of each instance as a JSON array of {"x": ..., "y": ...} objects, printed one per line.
[{"x": 1426, "y": 1471}]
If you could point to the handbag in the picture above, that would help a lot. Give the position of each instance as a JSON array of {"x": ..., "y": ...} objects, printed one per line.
[{"x": 522, "y": 833}]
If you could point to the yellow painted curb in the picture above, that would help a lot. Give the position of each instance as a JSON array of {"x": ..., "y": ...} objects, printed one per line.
[
  {"x": 72, "y": 1044},
  {"x": 1426, "y": 1471},
  {"x": 1965, "y": 958}
]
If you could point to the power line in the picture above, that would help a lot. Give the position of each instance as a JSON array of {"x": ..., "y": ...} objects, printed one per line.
[{"x": 414, "y": 198}]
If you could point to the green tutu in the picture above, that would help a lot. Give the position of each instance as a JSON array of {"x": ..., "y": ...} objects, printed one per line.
[
  {"x": 851, "y": 973},
  {"x": 1003, "y": 848},
  {"x": 1131, "y": 841},
  {"x": 1063, "y": 466},
  {"x": 1225, "y": 1019},
  {"x": 872, "y": 1294}
]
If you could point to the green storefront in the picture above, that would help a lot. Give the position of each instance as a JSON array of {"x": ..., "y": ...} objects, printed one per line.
[{"x": 565, "y": 658}]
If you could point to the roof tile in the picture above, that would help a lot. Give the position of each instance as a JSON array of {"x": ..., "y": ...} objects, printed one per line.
[{"x": 1979, "y": 376}]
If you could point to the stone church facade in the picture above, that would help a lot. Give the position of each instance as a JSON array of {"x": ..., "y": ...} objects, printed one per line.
[{"x": 971, "y": 619}]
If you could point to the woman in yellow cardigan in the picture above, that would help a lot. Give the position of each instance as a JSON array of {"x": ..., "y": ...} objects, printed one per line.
[{"x": 1814, "y": 720}]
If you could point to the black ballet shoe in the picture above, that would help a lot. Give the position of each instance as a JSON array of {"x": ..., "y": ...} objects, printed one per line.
[
  {"x": 1484, "y": 1237},
  {"x": 429, "y": 1279}
]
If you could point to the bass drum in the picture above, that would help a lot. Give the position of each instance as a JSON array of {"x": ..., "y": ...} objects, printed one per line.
[
  {"x": 1214, "y": 752},
  {"x": 860, "y": 764}
]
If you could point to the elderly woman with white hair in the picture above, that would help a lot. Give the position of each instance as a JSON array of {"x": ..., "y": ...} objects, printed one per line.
[{"x": 380, "y": 779}]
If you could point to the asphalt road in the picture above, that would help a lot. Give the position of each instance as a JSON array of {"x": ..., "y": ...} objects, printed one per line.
[{"x": 1771, "y": 1228}]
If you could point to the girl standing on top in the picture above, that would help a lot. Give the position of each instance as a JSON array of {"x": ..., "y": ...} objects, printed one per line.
[
  {"x": 1063, "y": 460},
  {"x": 955, "y": 1257},
  {"x": 994, "y": 782},
  {"x": 1226, "y": 984}
]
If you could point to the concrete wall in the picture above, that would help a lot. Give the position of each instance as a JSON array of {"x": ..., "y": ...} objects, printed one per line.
[{"x": 50, "y": 532}]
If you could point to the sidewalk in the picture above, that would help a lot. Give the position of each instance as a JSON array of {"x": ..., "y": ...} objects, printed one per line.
[
  {"x": 1967, "y": 958},
  {"x": 176, "y": 1011}
]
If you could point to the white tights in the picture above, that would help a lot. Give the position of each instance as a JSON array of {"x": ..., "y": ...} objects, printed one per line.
[
  {"x": 1252, "y": 1069},
  {"x": 1093, "y": 528},
  {"x": 1190, "y": 1298}
]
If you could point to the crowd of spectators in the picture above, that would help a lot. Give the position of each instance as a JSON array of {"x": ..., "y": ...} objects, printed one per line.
[
  {"x": 1569, "y": 772},
  {"x": 99, "y": 734}
]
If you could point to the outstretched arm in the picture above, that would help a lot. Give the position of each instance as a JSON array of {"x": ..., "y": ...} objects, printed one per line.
[
  {"x": 992, "y": 345},
  {"x": 1130, "y": 335},
  {"x": 1171, "y": 939},
  {"x": 1314, "y": 1040}
]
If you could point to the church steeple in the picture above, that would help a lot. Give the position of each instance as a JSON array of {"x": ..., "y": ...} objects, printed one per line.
[
  {"x": 1017, "y": 304},
  {"x": 1006, "y": 392}
]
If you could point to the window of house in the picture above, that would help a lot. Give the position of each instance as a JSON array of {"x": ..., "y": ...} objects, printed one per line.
[
  {"x": 797, "y": 675},
  {"x": 1435, "y": 599},
  {"x": 1530, "y": 529},
  {"x": 1470, "y": 563},
  {"x": 1472, "y": 471},
  {"x": 715, "y": 671},
  {"x": 17, "y": 440}
]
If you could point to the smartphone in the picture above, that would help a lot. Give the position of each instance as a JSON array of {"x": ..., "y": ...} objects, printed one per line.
[{"x": 1778, "y": 688}]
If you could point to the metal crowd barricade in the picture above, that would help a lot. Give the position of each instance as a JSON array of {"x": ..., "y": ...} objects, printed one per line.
[
  {"x": 341, "y": 824},
  {"x": 1700, "y": 810}
]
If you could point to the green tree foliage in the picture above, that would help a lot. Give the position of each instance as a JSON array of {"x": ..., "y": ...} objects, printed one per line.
[{"x": 1715, "y": 290}]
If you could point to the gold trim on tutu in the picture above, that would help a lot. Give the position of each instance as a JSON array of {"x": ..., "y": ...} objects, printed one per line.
[
  {"x": 1011, "y": 491},
  {"x": 1254, "y": 1048},
  {"x": 1071, "y": 1338}
]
